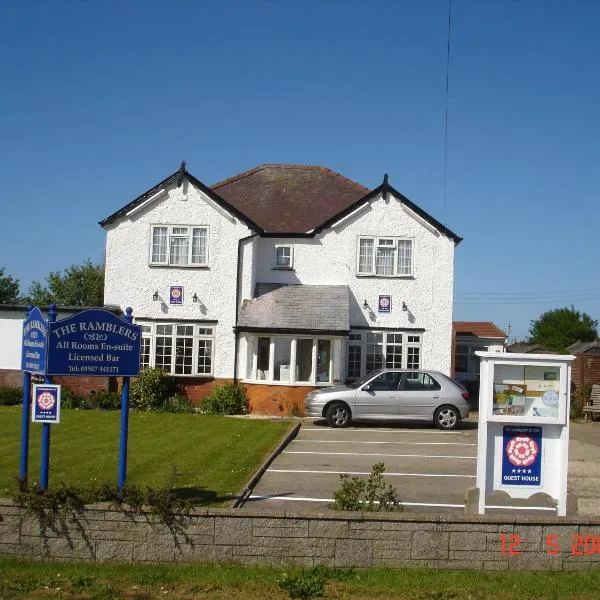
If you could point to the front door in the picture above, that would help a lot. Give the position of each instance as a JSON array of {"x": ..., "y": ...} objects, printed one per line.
[{"x": 380, "y": 398}]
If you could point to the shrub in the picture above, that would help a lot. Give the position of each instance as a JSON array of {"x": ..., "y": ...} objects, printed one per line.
[
  {"x": 226, "y": 399},
  {"x": 579, "y": 398},
  {"x": 304, "y": 585},
  {"x": 10, "y": 396},
  {"x": 69, "y": 399},
  {"x": 152, "y": 390},
  {"x": 105, "y": 400},
  {"x": 178, "y": 404},
  {"x": 370, "y": 494}
]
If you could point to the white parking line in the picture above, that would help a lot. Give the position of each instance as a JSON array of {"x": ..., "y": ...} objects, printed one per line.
[
  {"x": 380, "y": 442},
  {"x": 301, "y": 499},
  {"x": 368, "y": 473},
  {"x": 376, "y": 454},
  {"x": 401, "y": 431}
]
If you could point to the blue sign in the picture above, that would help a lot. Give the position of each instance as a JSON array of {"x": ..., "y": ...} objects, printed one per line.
[
  {"x": 46, "y": 403},
  {"x": 176, "y": 294},
  {"x": 35, "y": 335},
  {"x": 521, "y": 455},
  {"x": 385, "y": 304},
  {"x": 94, "y": 342}
]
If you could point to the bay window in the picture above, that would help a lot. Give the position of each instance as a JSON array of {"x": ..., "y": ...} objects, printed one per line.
[
  {"x": 178, "y": 348},
  {"x": 179, "y": 245},
  {"x": 290, "y": 359},
  {"x": 385, "y": 256},
  {"x": 371, "y": 350}
]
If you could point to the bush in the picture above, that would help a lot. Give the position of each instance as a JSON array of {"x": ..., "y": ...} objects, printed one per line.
[
  {"x": 226, "y": 399},
  {"x": 178, "y": 404},
  {"x": 152, "y": 390},
  {"x": 69, "y": 399},
  {"x": 10, "y": 396},
  {"x": 304, "y": 585},
  {"x": 371, "y": 494},
  {"x": 579, "y": 398},
  {"x": 105, "y": 400}
]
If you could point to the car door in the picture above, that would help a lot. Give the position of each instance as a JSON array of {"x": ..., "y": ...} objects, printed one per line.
[
  {"x": 379, "y": 397},
  {"x": 419, "y": 395}
]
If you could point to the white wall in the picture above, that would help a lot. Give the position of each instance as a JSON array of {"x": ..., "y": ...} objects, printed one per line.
[
  {"x": 130, "y": 281},
  {"x": 330, "y": 258},
  {"x": 11, "y": 334}
]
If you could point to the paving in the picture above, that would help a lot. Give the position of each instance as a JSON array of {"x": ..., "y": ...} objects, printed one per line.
[{"x": 430, "y": 469}]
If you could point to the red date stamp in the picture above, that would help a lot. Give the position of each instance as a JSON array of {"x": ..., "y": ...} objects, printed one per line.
[{"x": 580, "y": 545}]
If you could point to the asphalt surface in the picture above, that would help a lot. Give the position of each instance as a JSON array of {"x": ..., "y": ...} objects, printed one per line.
[{"x": 430, "y": 469}]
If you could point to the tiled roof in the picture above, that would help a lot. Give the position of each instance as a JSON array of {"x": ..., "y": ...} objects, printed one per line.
[
  {"x": 290, "y": 198},
  {"x": 584, "y": 347},
  {"x": 520, "y": 348},
  {"x": 483, "y": 329},
  {"x": 285, "y": 199},
  {"x": 297, "y": 307}
]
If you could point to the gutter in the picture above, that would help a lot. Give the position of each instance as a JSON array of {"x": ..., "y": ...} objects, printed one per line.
[{"x": 237, "y": 304}]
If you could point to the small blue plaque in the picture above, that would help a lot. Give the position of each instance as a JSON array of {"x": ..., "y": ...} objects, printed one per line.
[
  {"x": 46, "y": 403},
  {"x": 385, "y": 304},
  {"x": 176, "y": 294},
  {"x": 521, "y": 455}
]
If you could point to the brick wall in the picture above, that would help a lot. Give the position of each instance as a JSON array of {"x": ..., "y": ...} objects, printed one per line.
[{"x": 336, "y": 539}]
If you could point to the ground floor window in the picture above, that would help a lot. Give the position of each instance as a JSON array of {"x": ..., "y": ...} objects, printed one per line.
[
  {"x": 371, "y": 350},
  {"x": 290, "y": 359},
  {"x": 178, "y": 348}
]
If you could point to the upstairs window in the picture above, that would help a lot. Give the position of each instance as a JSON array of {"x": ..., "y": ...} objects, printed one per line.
[
  {"x": 385, "y": 256},
  {"x": 283, "y": 257},
  {"x": 179, "y": 245}
]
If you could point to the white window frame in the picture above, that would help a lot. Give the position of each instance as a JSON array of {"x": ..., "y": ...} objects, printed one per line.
[
  {"x": 276, "y": 265},
  {"x": 201, "y": 331},
  {"x": 293, "y": 380},
  {"x": 171, "y": 234},
  {"x": 408, "y": 341},
  {"x": 382, "y": 242}
]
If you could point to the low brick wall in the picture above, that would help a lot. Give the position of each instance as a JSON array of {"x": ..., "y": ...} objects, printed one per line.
[{"x": 336, "y": 539}]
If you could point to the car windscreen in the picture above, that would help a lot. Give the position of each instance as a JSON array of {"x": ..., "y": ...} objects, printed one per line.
[{"x": 356, "y": 384}]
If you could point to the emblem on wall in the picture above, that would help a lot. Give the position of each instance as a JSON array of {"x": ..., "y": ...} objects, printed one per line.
[{"x": 176, "y": 294}]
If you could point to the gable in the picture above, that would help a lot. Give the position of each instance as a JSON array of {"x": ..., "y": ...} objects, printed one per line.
[{"x": 286, "y": 200}]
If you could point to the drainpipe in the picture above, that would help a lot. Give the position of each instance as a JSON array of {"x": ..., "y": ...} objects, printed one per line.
[{"x": 237, "y": 304}]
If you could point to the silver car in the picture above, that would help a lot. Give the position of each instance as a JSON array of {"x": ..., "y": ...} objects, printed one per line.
[{"x": 392, "y": 394}]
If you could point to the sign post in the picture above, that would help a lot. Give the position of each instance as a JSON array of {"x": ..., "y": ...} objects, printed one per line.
[
  {"x": 46, "y": 431},
  {"x": 33, "y": 360},
  {"x": 124, "y": 419},
  {"x": 523, "y": 434}
]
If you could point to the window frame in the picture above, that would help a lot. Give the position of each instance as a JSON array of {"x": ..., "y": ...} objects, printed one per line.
[
  {"x": 252, "y": 370},
  {"x": 149, "y": 342},
  {"x": 170, "y": 235},
  {"x": 289, "y": 266},
  {"x": 409, "y": 340},
  {"x": 377, "y": 243}
]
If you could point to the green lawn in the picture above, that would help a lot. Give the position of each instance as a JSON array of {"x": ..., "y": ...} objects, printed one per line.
[
  {"x": 20, "y": 580},
  {"x": 213, "y": 456}
]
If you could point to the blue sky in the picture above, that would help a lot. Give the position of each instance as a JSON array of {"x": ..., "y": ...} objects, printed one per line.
[{"x": 101, "y": 100}]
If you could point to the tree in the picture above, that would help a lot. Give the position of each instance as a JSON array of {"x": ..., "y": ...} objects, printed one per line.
[
  {"x": 9, "y": 289},
  {"x": 558, "y": 329},
  {"x": 78, "y": 285}
]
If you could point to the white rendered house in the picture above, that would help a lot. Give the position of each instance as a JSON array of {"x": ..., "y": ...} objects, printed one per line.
[{"x": 283, "y": 277}]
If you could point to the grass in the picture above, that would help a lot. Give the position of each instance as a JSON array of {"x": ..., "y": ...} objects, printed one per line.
[
  {"x": 212, "y": 456},
  {"x": 82, "y": 581}
]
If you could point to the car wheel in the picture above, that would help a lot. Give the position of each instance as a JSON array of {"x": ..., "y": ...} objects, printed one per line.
[
  {"x": 338, "y": 415},
  {"x": 446, "y": 417}
]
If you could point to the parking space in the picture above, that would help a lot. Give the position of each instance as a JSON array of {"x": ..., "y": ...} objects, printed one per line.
[{"x": 430, "y": 469}]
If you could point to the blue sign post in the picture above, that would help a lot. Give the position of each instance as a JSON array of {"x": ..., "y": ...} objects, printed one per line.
[
  {"x": 522, "y": 455},
  {"x": 33, "y": 360},
  {"x": 45, "y": 457}
]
